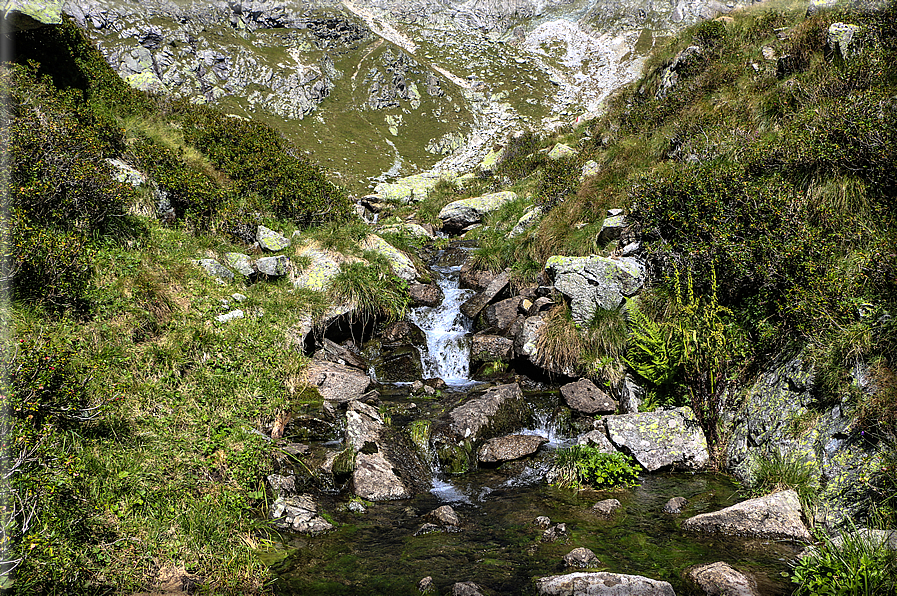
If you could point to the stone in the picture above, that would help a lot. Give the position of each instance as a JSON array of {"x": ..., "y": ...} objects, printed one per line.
[
  {"x": 499, "y": 410},
  {"x": 601, "y": 583},
  {"x": 466, "y": 589},
  {"x": 215, "y": 269},
  {"x": 375, "y": 477},
  {"x": 407, "y": 229},
  {"x": 611, "y": 229},
  {"x": 543, "y": 522},
  {"x": 491, "y": 348},
  {"x": 324, "y": 266},
  {"x": 230, "y": 316},
  {"x": 298, "y": 514},
  {"x": 402, "y": 332},
  {"x": 462, "y": 213},
  {"x": 778, "y": 516},
  {"x": 720, "y": 579},
  {"x": 606, "y": 508},
  {"x": 841, "y": 39},
  {"x": 426, "y": 295},
  {"x": 241, "y": 263},
  {"x": 560, "y": 150},
  {"x": 337, "y": 382},
  {"x": 411, "y": 189},
  {"x": 126, "y": 174},
  {"x": 478, "y": 302},
  {"x": 283, "y": 486},
  {"x": 581, "y": 558},
  {"x": 426, "y": 586},
  {"x": 473, "y": 278},
  {"x": 583, "y": 396},
  {"x": 446, "y": 516},
  {"x": 555, "y": 533},
  {"x": 675, "y": 505},
  {"x": 589, "y": 169},
  {"x": 670, "y": 439},
  {"x": 597, "y": 439},
  {"x": 594, "y": 282},
  {"x": 502, "y": 313},
  {"x": 397, "y": 364},
  {"x": 669, "y": 76},
  {"x": 529, "y": 218},
  {"x": 630, "y": 396},
  {"x": 541, "y": 304},
  {"x": 525, "y": 341},
  {"x": 22, "y": 15},
  {"x": 270, "y": 240},
  {"x": 401, "y": 264},
  {"x": 510, "y": 447},
  {"x": 274, "y": 266}
]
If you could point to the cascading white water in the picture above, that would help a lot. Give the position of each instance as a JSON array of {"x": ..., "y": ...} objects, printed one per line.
[{"x": 447, "y": 330}]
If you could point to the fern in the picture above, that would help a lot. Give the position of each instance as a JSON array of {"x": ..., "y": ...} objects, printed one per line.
[{"x": 652, "y": 353}]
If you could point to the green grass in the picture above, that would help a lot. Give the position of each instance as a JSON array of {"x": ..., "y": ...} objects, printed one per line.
[{"x": 781, "y": 471}]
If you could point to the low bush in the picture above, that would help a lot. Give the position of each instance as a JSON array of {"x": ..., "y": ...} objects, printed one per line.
[{"x": 579, "y": 466}]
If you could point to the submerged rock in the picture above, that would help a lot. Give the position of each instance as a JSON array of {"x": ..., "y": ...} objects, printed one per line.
[
  {"x": 606, "y": 508},
  {"x": 675, "y": 505},
  {"x": 466, "y": 589},
  {"x": 299, "y": 514},
  {"x": 602, "y": 584},
  {"x": 581, "y": 558},
  {"x": 670, "y": 439},
  {"x": 720, "y": 579},
  {"x": 583, "y": 396},
  {"x": 778, "y": 516},
  {"x": 507, "y": 448}
]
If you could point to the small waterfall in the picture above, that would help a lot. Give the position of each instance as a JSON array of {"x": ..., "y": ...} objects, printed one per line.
[{"x": 447, "y": 330}]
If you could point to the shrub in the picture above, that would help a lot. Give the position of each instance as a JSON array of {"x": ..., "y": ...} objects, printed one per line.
[
  {"x": 558, "y": 180},
  {"x": 521, "y": 156},
  {"x": 583, "y": 465},
  {"x": 372, "y": 290}
]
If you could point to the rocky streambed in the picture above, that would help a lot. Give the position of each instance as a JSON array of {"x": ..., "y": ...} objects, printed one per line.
[{"x": 425, "y": 467}]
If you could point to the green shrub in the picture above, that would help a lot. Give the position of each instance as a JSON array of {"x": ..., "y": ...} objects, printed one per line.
[
  {"x": 372, "y": 290},
  {"x": 578, "y": 466},
  {"x": 558, "y": 180},
  {"x": 521, "y": 157}
]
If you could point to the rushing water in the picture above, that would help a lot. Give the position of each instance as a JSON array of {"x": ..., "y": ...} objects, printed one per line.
[{"x": 498, "y": 546}]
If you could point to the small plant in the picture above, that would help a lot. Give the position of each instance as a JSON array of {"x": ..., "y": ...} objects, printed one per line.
[
  {"x": 780, "y": 471},
  {"x": 582, "y": 465}
]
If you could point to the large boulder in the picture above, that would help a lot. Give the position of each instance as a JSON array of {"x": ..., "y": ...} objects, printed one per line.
[
  {"x": 402, "y": 265},
  {"x": 270, "y": 240},
  {"x": 478, "y": 302},
  {"x": 778, "y": 516},
  {"x": 274, "y": 266},
  {"x": 509, "y": 447},
  {"x": 666, "y": 439},
  {"x": 491, "y": 348},
  {"x": 499, "y": 410},
  {"x": 299, "y": 514},
  {"x": 411, "y": 189},
  {"x": 426, "y": 295},
  {"x": 602, "y": 583},
  {"x": 337, "y": 382},
  {"x": 22, "y": 15},
  {"x": 324, "y": 265},
  {"x": 407, "y": 229},
  {"x": 720, "y": 579},
  {"x": 503, "y": 313},
  {"x": 594, "y": 282},
  {"x": 583, "y": 396},
  {"x": 457, "y": 215}
]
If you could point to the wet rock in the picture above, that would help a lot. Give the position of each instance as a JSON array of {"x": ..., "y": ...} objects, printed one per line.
[
  {"x": 402, "y": 265},
  {"x": 375, "y": 479},
  {"x": 460, "y": 214},
  {"x": 337, "y": 382},
  {"x": 270, "y": 240},
  {"x": 543, "y": 522},
  {"x": 426, "y": 295},
  {"x": 606, "y": 508},
  {"x": 397, "y": 364},
  {"x": 298, "y": 514},
  {"x": 719, "y": 579},
  {"x": 778, "y": 516},
  {"x": 601, "y": 584},
  {"x": 667, "y": 439},
  {"x": 356, "y": 506},
  {"x": 402, "y": 332},
  {"x": 500, "y": 409},
  {"x": 446, "y": 516},
  {"x": 426, "y": 586},
  {"x": 473, "y": 278},
  {"x": 273, "y": 266},
  {"x": 215, "y": 270},
  {"x": 594, "y": 282},
  {"x": 509, "y": 447},
  {"x": 491, "y": 348},
  {"x": 555, "y": 533},
  {"x": 597, "y": 438},
  {"x": 583, "y": 396},
  {"x": 581, "y": 558},
  {"x": 466, "y": 589},
  {"x": 675, "y": 505},
  {"x": 478, "y": 302},
  {"x": 283, "y": 486},
  {"x": 427, "y": 528}
]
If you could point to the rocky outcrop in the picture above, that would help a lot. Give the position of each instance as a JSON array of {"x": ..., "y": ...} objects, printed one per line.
[
  {"x": 460, "y": 214},
  {"x": 299, "y": 514},
  {"x": 602, "y": 584},
  {"x": 660, "y": 440},
  {"x": 778, "y": 516},
  {"x": 22, "y": 15},
  {"x": 510, "y": 447},
  {"x": 583, "y": 396},
  {"x": 720, "y": 579},
  {"x": 594, "y": 282}
]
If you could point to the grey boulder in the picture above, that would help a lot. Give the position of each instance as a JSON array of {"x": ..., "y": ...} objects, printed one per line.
[
  {"x": 670, "y": 439},
  {"x": 583, "y": 396},
  {"x": 595, "y": 282},
  {"x": 719, "y": 579},
  {"x": 270, "y": 240},
  {"x": 778, "y": 516},
  {"x": 298, "y": 514},
  {"x": 601, "y": 584},
  {"x": 581, "y": 558},
  {"x": 509, "y": 447},
  {"x": 273, "y": 266}
]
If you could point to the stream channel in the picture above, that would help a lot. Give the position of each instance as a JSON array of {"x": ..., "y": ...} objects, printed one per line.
[{"x": 499, "y": 546}]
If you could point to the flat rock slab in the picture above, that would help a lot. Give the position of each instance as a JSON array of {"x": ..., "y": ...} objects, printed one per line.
[
  {"x": 299, "y": 514},
  {"x": 337, "y": 382},
  {"x": 402, "y": 265},
  {"x": 777, "y": 516},
  {"x": 719, "y": 579},
  {"x": 500, "y": 408},
  {"x": 478, "y": 302},
  {"x": 460, "y": 214},
  {"x": 669, "y": 439},
  {"x": 509, "y": 447},
  {"x": 583, "y": 396},
  {"x": 602, "y": 584}
]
